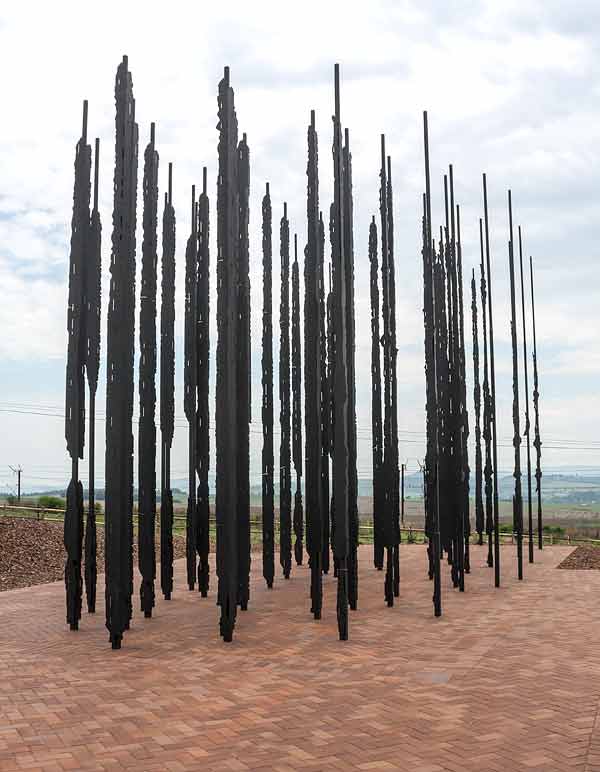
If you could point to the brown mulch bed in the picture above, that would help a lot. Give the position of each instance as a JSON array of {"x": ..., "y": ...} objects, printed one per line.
[
  {"x": 32, "y": 552},
  {"x": 584, "y": 556}
]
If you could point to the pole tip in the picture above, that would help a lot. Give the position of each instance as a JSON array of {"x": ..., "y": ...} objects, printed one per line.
[
  {"x": 152, "y": 132},
  {"x": 85, "y": 120},
  {"x": 267, "y": 189},
  {"x": 285, "y": 209}
]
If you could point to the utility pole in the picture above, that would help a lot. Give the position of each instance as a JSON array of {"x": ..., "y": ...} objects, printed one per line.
[{"x": 17, "y": 471}]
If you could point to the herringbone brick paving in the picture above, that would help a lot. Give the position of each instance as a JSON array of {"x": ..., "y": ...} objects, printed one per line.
[{"x": 508, "y": 679}]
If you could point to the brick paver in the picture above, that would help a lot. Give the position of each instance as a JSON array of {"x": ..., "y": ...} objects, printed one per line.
[{"x": 506, "y": 680}]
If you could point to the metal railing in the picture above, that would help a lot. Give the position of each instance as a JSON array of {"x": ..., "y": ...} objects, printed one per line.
[{"x": 408, "y": 533}]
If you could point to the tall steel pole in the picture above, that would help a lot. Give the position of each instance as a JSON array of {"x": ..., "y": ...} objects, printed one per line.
[
  {"x": 492, "y": 390},
  {"x": 527, "y": 423}
]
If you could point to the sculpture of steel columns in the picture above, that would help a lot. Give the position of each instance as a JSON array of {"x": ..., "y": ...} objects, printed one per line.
[
  {"x": 526, "y": 432},
  {"x": 227, "y": 397},
  {"x": 494, "y": 425},
  {"x": 92, "y": 365},
  {"x": 120, "y": 361},
  {"x": 376, "y": 422},
  {"x": 202, "y": 432},
  {"x": 432, "y": 332},
  {"x": 341, "y": 472},
  {"x": 348, "y": 223},
  {"x": 167, "y": 389},
  {"x": 463, "y": 413},
  {"x": 517, "y": 498},
  {"x": 313, "y": 373},
  {"x": 285, "y": 454},
  {"x": 479, "y": 519},
  {"x": 390, "y": 473},
  {"x": 487, "y": 417},
  {"x": 243, "y": 376},
  {"x": 190, "y": 386},
  {"x": 75, "y": 375},
  {"x": 147, "y": 387},
  {"x": 325, "y": 403},
  {"x": 537, "y": 442},
  {"x": 268, "y": 497},
  {"x": 298, "y": 519}
]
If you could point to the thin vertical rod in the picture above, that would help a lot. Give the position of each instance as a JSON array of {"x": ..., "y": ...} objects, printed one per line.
[
  {"x": 527, "y": 423},
  {"x": 492, "y": 389}
]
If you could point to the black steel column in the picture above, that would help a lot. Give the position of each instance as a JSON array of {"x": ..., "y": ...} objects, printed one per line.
[
  {"x": 167, "y": 388},
  {"x": 527, "y": 424},
  {"x": 537, "y": 443},
  {"x": 75, "y": 374},
  {"x": 313, "y": 372},
  {"x": 228, "y": 344},
  {"x": 120, "y": 365},
  {"x": 202, "y": 379},
  {"x": 268, "y": 498},
  {"x": 517, "y": 498},
  {"x": 341, "y": 481},
  {"x": 285, "y": 453},
  {"x": 147, "y": 387},
  {"x": 92, "y": 366},
  {"x": 298, "y": 520}
]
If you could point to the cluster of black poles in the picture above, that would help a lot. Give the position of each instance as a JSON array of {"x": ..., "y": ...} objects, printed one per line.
[
  {"x": 329, "y": 450},
  {"x": 447, "y": 471}
]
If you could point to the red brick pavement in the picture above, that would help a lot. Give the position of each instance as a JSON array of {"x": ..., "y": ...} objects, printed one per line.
[{"x": 508, "y": 679}]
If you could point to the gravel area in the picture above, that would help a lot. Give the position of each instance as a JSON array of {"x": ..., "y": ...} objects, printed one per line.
[
  {"x": 32, "y": 552},
  {"x": 585, "y": 556}
]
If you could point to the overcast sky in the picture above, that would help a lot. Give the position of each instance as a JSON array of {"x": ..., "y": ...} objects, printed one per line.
[{"x": 511, "y": 89}]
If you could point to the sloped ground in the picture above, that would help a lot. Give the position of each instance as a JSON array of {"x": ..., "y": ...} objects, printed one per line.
[
  {"x": 32, "y": 552},
  {"x": 508, "y": 679},
  {"x": 585, "y": 556}
]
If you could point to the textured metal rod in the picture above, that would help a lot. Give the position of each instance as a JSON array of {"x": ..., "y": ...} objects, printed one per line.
[
  {"x": 147, "y": 387},
  {"x": 479, "y": 516},
  {"x": 443, "y": 342},
  {"x": 388, "y": 485},
  {"x": 314, "y": 367},
  {"x": 537, "y": 442},
  {"x": 348, "y": 242},
  {"x": 430, "y": 417},
  {"x": 75, "y": 373},
  {"x": 393, "y": 354},
  {"x": 492, "y": 390},
  {"x": 120, "y": 365},
  {"x": 190, "y": 388},
  {"x": 517, "y": 498},
  {"x": 376, "y": 419},
  {"x": 526, "y": 431},
  {"x": 227, "y": 387},
  {"x": 167, "y": 388},
  {"x": 285, "y": 452},
  {"x": 341, "y": 536},
  {"x": 325, "y": 402},
  {"x": 268, "y": 498},
  {"x": 298, "y": 520},
  {"x": 464, "y": 416},
  {"x": 92, "y": 366},
  {"x": 432, "y": 379},
  {"x": 202, "y": 379},
  {"x": 244, "y": 376},
  {"x": 330, "y": 386},
  {"x": 487, "y": 417},
  {"x": 458, "y": 552}
]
